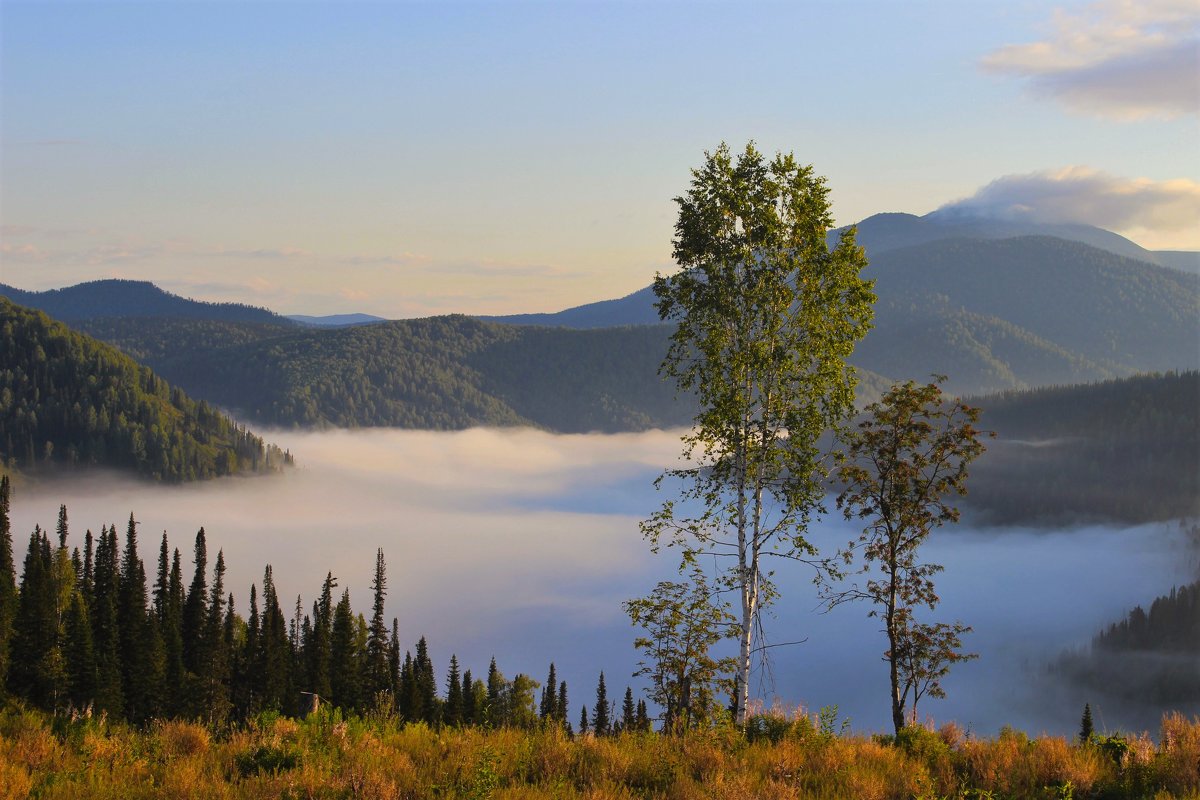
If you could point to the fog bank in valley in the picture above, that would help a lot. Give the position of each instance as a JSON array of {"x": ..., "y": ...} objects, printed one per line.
[{"x": 522, "y": 545}]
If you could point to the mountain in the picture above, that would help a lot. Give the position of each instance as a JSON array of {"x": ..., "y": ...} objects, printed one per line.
[
  {"x": 335, "y": 320},
  {"x": 122, "y": 298},
  {"x": 633, "y": 309},
  {"x": 883, "y": 232},
  {"x": 66, "y": 398}
]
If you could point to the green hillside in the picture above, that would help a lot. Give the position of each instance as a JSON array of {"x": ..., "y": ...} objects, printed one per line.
[
  {"x": 1125, "y": 450},
  {"x": 66, "y": 398}
]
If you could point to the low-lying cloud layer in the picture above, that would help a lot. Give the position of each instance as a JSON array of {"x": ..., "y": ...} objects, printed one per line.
[
  {"x": 522, "y": 545},
  {"x": 1123, "y": 59},
  {"x": 1144, "y": 209}
]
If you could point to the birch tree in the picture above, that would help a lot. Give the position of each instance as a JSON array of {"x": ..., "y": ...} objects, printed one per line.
[{"x": 766, "y": 316}]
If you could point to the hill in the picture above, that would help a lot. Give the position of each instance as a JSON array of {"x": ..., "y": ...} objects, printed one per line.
[
  {"x": 1121, "y": 450},
  {"x": 66, "y": 398},
  {"x": 123, "y": 298}
]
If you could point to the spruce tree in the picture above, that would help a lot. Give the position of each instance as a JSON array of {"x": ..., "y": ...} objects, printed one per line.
[
  {"x": 171, "y": 630},
  {"x": 135, "y": 634},
  {"x": 495, "y": 714},
  {"x": 600, "y": 720},
  {"x": 469, "y": 715},
  {"x": 1085, "y": 724},
  {"x": 35, "y": 631},
  {"x": 628, "y": 712},
  {"x": 194, "y": 608},
  {"x": 426, "y": 684},
  {"x": 318, "y": 652},
  {"x": 275, "y": 655},
  {"x": 408, "y": 701},
  {"x": 583, "y": 720},
  {"x": 82, "y": 656},
  {"x": 453, "y": 714},
  {"x": 643, "y": 717},
  {"x": 377, "y": 639},
  {"x": 345, "y": 661},
  {"x": 106, "y": 636},
  {"x": 394, "y": 662},
  {"x": 547, "y": 711}
]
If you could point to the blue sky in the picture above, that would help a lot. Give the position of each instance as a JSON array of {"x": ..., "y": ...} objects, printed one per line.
[{"x": 407, "y": 159}]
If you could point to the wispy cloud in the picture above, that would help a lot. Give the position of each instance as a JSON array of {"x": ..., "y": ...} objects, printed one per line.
[
  {"x": 1086, "y": 195},
  {"x": 1122, "y": 59}
]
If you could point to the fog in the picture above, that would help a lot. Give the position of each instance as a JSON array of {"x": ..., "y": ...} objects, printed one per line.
[{"x": 523, "y": 544}]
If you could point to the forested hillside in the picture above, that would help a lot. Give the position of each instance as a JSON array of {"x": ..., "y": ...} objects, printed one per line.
[
  {"x": 66, "y": 398},
  {"x": 1125, "y": 450}
]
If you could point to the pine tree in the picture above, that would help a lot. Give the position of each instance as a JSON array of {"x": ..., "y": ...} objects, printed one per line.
[
  {"x": 600, "y": 721},
  {"x": 275, "y": 655},
  {"x": 408, "y": 701},
  {"x": 453, "y": 714},
  {"x": 319, "y": 653},
  {"x": 377, "y": 638},
  {"x": 171, "y": 630},
  {"x": 1085, "y": 724},
  {"x": 583, "y": 720},
  {"x": 643, "y": 717},
  {"x": 426, "y": 684},
  {"x": 394, "y": 662},
  {"x": 561, "y": 709}
]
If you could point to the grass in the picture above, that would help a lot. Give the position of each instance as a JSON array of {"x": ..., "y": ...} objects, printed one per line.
[{"x": 786, "y": 757}]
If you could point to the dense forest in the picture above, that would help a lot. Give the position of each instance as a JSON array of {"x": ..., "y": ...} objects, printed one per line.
[
  {"x": 1123, "y": 450},
  {"x": 80, "y": 633},
  {"x": 66, "y": 398}
]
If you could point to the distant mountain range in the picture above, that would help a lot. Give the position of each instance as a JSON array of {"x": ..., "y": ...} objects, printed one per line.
[
  {"x": 336, "y": 320},
  {"x": 983, "y": 302}
]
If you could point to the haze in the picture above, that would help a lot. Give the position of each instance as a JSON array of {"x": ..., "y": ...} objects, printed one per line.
[{"x": 522, "y": 545}]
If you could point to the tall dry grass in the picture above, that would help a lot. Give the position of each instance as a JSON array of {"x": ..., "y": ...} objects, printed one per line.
[{"x": 792, "y": 757}]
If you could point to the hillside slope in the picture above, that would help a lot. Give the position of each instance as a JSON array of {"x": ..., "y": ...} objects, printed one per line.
[{"x": 66, "y": 398}]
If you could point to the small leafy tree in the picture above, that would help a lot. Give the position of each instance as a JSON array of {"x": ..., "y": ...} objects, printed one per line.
[
  {"x": 910, "y": 452},
  {"x": 682, "y": 623}
]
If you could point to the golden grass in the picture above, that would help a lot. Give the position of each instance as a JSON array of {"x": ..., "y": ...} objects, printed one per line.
[{"x": 327, "y": 756}]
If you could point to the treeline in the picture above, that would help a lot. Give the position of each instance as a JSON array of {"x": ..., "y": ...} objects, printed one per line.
[
  {"x": 1120, "y": 450},
  {"x": 1147, "y": 657},
  {"x": 87, "y": 631},
  {"x": 66, "y": 398}
]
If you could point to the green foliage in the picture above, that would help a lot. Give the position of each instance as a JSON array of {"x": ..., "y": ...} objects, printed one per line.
[
  {"x": 766, "y": 317},
  {"x": 68, "y": 399}
]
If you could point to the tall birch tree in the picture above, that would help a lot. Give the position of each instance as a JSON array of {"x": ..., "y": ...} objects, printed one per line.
[{"x": 766, "y": 316}]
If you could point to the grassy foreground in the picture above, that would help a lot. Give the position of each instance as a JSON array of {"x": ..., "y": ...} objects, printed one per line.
[{"x": 326, "y": 756}]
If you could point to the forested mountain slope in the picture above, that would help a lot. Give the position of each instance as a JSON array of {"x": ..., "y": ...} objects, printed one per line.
[
  {"x": 1123, "y": 450},
  {"x": 67, "y": 398}
]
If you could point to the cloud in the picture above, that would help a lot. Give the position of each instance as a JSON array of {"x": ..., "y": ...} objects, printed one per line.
[
  {"x": 22, "y": 252},
  {"x": 1122, "y": 59},
  {"x": 1084, "y": 195}
]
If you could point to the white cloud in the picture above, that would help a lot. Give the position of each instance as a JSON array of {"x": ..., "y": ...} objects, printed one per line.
[
  {"x": 1123, "y": 59},
  {"x": 1161, "y": 212}
]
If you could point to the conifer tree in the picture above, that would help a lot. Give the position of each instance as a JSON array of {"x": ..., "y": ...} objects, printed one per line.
[
  {"x": 171, "y": 631},
  {"x": 35, "y": 632},
  {"x": 408, "y": 701},
  {"x": 495, "y": 696},
  {"x": 82, "y": 656},
  {"x": 275, "y": 655},
  {"x": 643, "y": 717},
  {"x": 583, "y": 720},
  {"x": 548, "y": 708},
  {"x": 89, "y": 566},
  {"x": 426, "y": 684},
  {"x": 394, "y": 662},
  {"x": 162, "y": 580},
  {"x": 628, "y": 712},
  {"x": 453, "y": 714},
  {"x": 469, "y": 714},
  {"x": 562, "y": 707},
  {"x": 136, "y": 645},
  {"x": 345, "y": 668},
  {"x": 601, "y": 724},
  {"x": 377, "y": 639},
  {"x": 319, "y": 653},
  {"x": 106, "y": 636},
  {"x": 194, "y": 608},
  {"x": 1086, "y": 730}
]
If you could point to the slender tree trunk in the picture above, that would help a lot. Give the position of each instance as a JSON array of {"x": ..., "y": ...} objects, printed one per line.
[{"x": 894, "y": 672}]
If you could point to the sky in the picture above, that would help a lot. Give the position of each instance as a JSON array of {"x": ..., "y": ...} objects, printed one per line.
[{"x": 412, "y": 159}]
